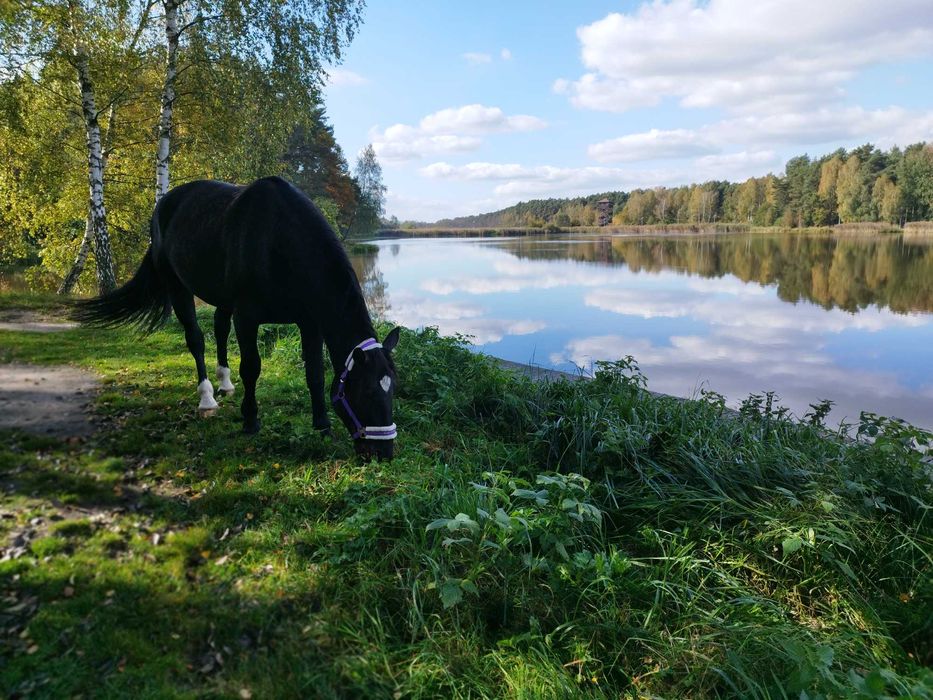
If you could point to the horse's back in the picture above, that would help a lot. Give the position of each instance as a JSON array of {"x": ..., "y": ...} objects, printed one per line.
[
  {"x": 265, "y": 243},
  {"x": 188, "y": 237}
]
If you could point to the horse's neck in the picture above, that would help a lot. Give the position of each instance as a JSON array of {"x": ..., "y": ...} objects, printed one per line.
[{"x": 344, "y": 329}]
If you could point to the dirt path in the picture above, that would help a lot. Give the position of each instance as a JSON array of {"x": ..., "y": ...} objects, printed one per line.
[
  {"x": 32, "y": 322},
  {"x": 46, "y": 400}
]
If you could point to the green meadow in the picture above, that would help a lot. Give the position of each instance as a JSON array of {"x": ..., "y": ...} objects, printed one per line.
[{"x": 565, "y": 539}]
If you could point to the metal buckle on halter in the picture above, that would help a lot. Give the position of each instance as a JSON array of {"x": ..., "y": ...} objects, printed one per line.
[{"x": 369, "y": 432}]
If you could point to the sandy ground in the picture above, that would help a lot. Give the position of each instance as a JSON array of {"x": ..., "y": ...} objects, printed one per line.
[
  {"x": 31, "y": 322},
  {"x": 45, "y": 400}
]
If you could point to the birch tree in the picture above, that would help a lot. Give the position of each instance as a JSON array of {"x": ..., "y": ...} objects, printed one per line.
[
  {"x": 290, "y": 41},
  {"x": 88, "y": 37},
  {"x": 368, "y": 175},
  {"x": 97, "y": 210}
]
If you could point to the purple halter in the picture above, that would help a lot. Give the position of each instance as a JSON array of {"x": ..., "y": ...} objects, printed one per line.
[{"x": 368, "y": 432}]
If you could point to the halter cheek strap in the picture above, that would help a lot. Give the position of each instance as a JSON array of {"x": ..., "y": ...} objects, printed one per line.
[{"x": 367, "y": 432}]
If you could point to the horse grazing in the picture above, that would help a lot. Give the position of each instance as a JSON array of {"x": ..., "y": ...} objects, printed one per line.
[{"x": 261, "y": 253}]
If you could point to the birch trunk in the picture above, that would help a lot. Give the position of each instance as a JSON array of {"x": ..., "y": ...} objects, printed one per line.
[
  {"x": 77, "y": 267},
  {"x": 163, "y": 150},
  {"x": 106, "y": 281}
]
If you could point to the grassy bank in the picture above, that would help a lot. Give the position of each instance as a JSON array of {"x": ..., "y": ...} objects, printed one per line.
[{"x": 529, "y": 541}]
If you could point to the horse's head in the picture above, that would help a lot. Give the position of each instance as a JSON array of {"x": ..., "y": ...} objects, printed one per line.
[{"x": 362, "y": 395}]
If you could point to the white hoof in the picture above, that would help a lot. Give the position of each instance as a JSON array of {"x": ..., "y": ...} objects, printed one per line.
[
  {"x": 208, "y": 406},
  {"x": 226, "y": 386}
]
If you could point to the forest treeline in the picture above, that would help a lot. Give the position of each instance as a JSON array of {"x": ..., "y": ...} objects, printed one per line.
[
  {"x": 864, "y": 184},
  {"x": 123, "y": 99}
]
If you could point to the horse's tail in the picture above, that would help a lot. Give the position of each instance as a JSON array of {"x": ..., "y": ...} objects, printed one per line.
[{"x": 143, "y": 302}]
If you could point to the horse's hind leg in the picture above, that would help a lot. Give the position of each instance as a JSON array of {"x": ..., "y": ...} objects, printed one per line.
[
  {"x": 221, "y": 333},
  {"x": 183, "y": 303},
  {"x": 250, "y": 366}
]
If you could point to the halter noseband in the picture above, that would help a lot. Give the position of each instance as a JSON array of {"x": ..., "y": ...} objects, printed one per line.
[{"x": 368, "y": 432}]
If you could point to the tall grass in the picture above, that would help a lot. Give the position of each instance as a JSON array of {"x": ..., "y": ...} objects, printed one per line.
[{"x": 530, "y": 540}]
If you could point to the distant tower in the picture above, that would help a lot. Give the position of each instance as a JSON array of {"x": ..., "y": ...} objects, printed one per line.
[{"x": 604, "y": 207}]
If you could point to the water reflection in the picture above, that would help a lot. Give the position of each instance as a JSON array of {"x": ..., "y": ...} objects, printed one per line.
[
  {"x": 849, "y": 273},
  {"x": 696, "y": 312}
]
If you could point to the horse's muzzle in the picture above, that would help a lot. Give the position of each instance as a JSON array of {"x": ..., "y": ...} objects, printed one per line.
[{"x": 381, "y": 450}]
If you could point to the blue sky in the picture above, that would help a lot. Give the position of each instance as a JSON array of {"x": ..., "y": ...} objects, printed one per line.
[{"x": 475, "y": 106}]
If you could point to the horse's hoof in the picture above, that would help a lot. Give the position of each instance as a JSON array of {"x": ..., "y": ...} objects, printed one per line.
[
  {"x": 225, "y": 392},
  {"x": 251, "y": 428},
  {"x": 207, "y": 412}
]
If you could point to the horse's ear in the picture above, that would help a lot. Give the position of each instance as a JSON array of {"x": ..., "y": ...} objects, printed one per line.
[{"x": 391, "y": 340}]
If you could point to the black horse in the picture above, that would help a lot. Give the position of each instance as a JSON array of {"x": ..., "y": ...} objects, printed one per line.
[{"x": 261, "y": 253}]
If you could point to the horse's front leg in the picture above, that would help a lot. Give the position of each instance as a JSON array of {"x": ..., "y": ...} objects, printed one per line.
[
  {"x": 250, "y": 366},
  {"x": 221, "y": 333},
  {"x": 312, "y": 351}
]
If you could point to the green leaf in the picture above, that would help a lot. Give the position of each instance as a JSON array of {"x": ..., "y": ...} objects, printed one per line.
[
  {"x": 451, "y": 593},
  {"x": 791, "y": 545},
  {"x": 503, "y": 519},
  {"x": 846, "y": 569},
  {"x": 875, "y": 683},
  {"x": 437, "y": 524},
  {"x": 461, "y": 521}
]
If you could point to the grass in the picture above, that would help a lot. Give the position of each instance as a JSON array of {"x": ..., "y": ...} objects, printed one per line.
[{"x": 577, "y": 539}]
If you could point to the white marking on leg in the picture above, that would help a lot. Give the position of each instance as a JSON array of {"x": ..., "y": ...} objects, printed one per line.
[
  {"x": 226, "y": 386},
  {"x": 385, "y": 383},
  {"x": 207, "y": 406}
]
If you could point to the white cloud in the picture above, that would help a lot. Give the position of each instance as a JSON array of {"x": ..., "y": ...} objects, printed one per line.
[
  {"x": 775, "y": 54},
  {"x": 736, "y": 166},
  {"x": 341, "y": 77},
  {"x": 523, "y": 179},
  {"x": 885, "y": 127},
  {"x": 506, "y": 55},
  {"x": 893, "y": 124},
  {"x": 478, "y": 119},
  {"x": 648, "y": 145},
  {"x": 737, "y": 365},
  {"x": 451, "y": 130},
  {"x": 751, "y": 314},
  {"x": 430, "y": 209},
  {"x": 475, "y": 58},
  {"x": 458, "y": 317},
  {"x": 516, "y": 180}
]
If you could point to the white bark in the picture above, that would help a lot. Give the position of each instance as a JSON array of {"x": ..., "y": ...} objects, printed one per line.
[
  {"x": 77, "y": 267},
  {"x": 106, "y": 281},
  {"x": 163, "y": 151}
]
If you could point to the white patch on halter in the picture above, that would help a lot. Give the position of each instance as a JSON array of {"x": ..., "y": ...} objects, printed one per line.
[
  {"x": 385, "y": 383},
  {"x": 206, "y": 390},
  {"x": 369, "y": 343},
  {"x": 223, "y": 374}
]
